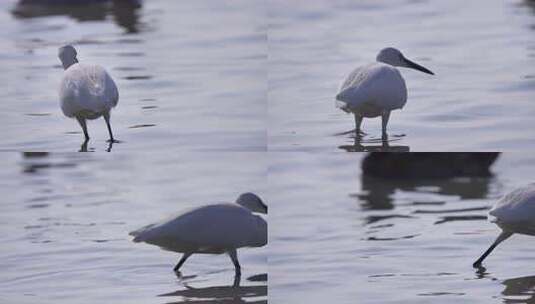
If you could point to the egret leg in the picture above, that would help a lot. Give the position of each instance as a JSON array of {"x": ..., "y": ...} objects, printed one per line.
[
  {"x": 358, "y": 123},
  {"x": 83, "y": 124},
  {"x": 83, "y": 147},
  {"x": 502, "y": 237},
  {"x": 233, "y": 254},
  {"x": 385, "y": 117},
  {"x": 237, "y": 280},
  {"x": 107, "y": 119},
  {"x": 182, "y": 260}
]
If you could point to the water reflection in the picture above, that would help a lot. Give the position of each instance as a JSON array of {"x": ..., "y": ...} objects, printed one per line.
[
  {"x": 125, "y": 12},
  {"x": 519, "y": 287},
  {"x": 35, "y": 162},
  {"x": 377, "y": 192},
  {"x": 385, "y": 175},
  {"x": 84, "y": 146},
  {"x": 373, "y": 146},
  {"x": 530, "y": 4},
  {"x": 517, "y": 290},
  {"x": 223, "y": 294}
]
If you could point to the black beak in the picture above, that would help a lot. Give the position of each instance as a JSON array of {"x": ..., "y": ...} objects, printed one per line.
[
  {"x": 416, "y": 66},
  {"x": 264, "y": 206}
]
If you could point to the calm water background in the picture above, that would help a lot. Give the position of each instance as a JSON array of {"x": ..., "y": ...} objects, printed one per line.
[
  {"x": 336, "y": 237},
  {"x": 191, "y": 75},
  {"x": 65, "y": 220},
  {"x": 482, "y": 52}
]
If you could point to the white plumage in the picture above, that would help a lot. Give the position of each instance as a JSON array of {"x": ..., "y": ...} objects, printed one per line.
[
  {"x": 376, "y": 89},
  {"x": 513, "y": 213},
  {"x": 211, "y": 229},
  {"x": 86, "y": 91},
  {"x": 372, "y": 89}
]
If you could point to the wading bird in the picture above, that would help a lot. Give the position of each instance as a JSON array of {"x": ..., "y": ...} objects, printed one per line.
[
  {"x": 376, "y": 89},
  {"x": 86, "y": 91},
  {"x": 211, "y": 229},
  {"x": 514, "y": 213}
]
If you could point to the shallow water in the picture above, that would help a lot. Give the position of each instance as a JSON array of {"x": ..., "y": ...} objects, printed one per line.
[
  {"x": 65, "y": 220},
  {"x": 191, "y": 75},
  {"x": 336, "y": 237},
  {"x": 482, "y": 52}
]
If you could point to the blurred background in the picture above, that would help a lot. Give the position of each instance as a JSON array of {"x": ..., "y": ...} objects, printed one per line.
[
  {"x": 395, "y": 228},
  {"x": 191, "y": 74},
  {"x": 65, "y": 220}
]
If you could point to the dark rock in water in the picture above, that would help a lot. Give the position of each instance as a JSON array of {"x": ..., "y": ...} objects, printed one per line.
[{"x": 428, "y": 165}]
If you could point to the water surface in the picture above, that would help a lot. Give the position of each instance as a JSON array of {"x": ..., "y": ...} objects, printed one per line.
[
  {"x": 191, "y": 74},
  {"x": 65, "y": 220},
  {"x": 482, "y": 52},
  {"x": 338, "y": 237}
]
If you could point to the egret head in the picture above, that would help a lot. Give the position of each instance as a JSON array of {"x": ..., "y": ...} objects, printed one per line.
[
  {"x": 252, "y": 202},
  {"x": 394, "y": 57},
  {"x": 67, "y": 55}
]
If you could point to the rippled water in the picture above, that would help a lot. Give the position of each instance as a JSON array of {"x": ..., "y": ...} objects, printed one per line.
[
  {"x": 65, "y": 220},
  {"x": 482, "y": 52},
  {"x": 191, "y": 74},
  {"x": 338, "y": 237}
]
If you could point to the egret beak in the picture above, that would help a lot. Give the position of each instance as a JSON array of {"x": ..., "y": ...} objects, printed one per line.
[
  {"x": 264, "y": 207},
  {"x": 413, "y": 65}
]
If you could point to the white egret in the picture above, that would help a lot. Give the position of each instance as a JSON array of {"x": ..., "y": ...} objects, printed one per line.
[
  {"x": 211, "y": 229},
  {"x": 376, "y": 89},
  {"x": 86, "y": 91},
  {"x": 513, "y": 213}
]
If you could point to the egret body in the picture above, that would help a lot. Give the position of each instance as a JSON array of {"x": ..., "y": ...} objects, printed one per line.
[
  {"x": 376, "y": 89},
  {"x": 212, "y": 229},
  {"x": 86, "y": 91}
]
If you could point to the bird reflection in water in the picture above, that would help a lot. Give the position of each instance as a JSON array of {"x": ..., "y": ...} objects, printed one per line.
[
  {"x": 517, "y": 290},
  {"x": 373, "y": 145},
  {"x": 223, "y": 294},
  {"x": 83, "y": 146},
  {"x": 519, "y": 287},
  {"x": 36, "y": 162},
  {"x": 124, "y": 12}
]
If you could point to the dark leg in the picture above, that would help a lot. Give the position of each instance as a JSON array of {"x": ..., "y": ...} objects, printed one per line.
[
  {"x": 182, "y": 260},
  {"x": 82, "y": 123},
  {"x": 385, "y": 117},
  {"x": 358, "y": 123},
  {"x": 107, "y": 119},
  {"x": 237, "y": 280},
  {"x": 233, "y": 254},
  {"x": 502, "y": 237},
  {"x": 83, "y": 147}
]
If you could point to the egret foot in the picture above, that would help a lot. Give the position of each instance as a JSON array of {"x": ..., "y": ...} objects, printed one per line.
[{"x": 83, "y": 147}]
